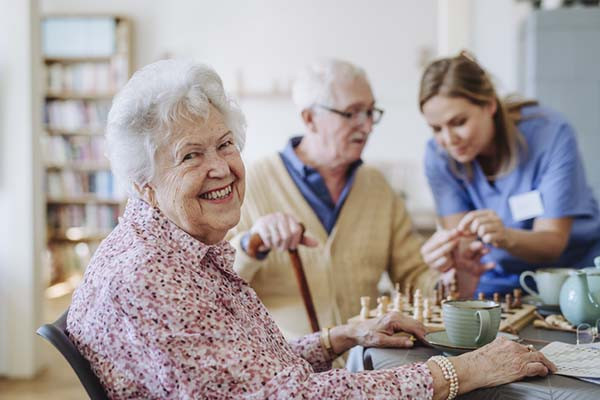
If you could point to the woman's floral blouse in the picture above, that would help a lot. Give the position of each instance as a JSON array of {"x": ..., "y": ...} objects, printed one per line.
[{"x": 160, "y": 315}]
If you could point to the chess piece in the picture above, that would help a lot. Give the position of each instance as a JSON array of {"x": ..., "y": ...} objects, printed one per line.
[
  {"x": 508, "y": 301},
  {"x": 481, "y": 296},
  {"x": 398, "y": 305},
  {"x": 426, "y": 310},
  {"x": 365, "y": 304},
  {"x": 517, "y": 302},
  {"x": 382, "y": 305},
  {"x": 497, "y": 297},
  {"x": 439, "y": 294},
  {"x": 417, "y": 299},
  {"x": 418, "y": 314}
]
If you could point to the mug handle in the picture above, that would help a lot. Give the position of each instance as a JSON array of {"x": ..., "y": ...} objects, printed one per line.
[
  {"x": 485, "y": 323},
  {"x": 524, "y": 285}
]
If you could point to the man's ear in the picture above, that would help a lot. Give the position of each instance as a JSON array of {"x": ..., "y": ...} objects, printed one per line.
[
  {"x": 146, "y": 193},
  {"x": 308, "y": 119}
]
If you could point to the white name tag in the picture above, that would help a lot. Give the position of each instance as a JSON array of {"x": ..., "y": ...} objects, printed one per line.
[{"x": 526, "y": 205}]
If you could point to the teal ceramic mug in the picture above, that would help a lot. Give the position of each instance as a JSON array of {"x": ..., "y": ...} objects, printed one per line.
[{"x": 471, "y": 323}]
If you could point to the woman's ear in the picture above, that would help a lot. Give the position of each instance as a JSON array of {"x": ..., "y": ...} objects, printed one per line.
[
  {"x": 492, "y": 107},
  {"x": 146, "y": 193},
  {"x": 308, "y": 119}
]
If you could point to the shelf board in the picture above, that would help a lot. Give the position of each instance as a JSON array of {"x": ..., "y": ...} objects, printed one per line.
[
  {"x": 84, "y": 199},
  {"x": 80, "y": 166},
  {"x": 78, "y": 234},
  {"x": 62, "y": 288},
  {"x": 57, "y": 131},
  {"x": 80, "y": 96},
  {"x": 74, "y": 60}
]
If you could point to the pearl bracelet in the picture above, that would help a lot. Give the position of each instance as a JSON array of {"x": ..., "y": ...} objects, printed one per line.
[{"x": 449, "y": 374}]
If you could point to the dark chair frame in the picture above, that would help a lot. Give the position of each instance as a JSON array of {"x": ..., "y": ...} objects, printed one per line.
[{"x": 56, "y": 334}]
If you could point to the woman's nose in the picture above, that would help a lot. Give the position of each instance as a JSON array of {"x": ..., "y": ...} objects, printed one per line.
[
  {"x": 218, "y": 167},
  {"x": 449, "y": 136}
]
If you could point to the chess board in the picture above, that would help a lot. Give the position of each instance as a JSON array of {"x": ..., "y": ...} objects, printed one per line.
[{"x": 512, "y": 320}]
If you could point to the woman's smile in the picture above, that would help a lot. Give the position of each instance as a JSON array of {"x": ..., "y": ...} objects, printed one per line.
[{"x": 219, "y": 195}]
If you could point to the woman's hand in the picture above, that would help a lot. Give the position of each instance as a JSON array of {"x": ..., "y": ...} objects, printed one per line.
[
  {"x": 281, "y": 231},
  {"x": 390, "y": 330},
  {"x": 487, "y": 225},
  {"x": 437, "y": 252},
  {"x": 499, "y": 362}
]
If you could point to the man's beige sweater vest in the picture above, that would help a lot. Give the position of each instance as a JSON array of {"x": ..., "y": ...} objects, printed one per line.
[{"x": 373, "y": 234}]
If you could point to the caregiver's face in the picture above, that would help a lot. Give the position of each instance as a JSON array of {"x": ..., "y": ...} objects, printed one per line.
[
  {"x": 465, "y": 130},
  {"x": 199, "y": 179}
]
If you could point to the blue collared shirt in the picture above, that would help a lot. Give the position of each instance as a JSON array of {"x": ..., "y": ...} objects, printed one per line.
[
  {"x": 313, "y": 189},
  {"x": 312, "y": 185}
]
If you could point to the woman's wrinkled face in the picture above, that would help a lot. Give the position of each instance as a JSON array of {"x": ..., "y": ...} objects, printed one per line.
[
  {"x": 465, "y": 130},
  {"x": 199, "y": 180}
]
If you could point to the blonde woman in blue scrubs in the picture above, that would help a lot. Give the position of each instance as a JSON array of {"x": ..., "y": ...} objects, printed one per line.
[{"x": 507, "y": 179}]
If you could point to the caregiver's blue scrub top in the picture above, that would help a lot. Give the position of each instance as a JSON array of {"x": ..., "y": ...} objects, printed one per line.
[{"x": 551, "y": 165}]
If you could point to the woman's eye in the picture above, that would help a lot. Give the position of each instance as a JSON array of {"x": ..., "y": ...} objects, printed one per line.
[
  {"x": 460, "y": 122},
  {"x": 436, "y": 129},
  {"x": 226, "y": 144},
  {"x": 190, "y": 156}
]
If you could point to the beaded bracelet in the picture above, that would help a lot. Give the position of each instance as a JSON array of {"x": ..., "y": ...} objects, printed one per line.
[{"x": 449, "y": 374}]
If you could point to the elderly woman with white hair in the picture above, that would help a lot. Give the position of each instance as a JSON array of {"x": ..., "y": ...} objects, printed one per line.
[{"x": 161, "y": 314}]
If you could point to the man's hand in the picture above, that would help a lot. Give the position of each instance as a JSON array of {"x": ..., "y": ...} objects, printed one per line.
[{"x": 282, "y": 232}]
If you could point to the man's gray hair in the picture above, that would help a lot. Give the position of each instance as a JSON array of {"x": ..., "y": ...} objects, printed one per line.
[
  {"x": 156, "y": 99},
  {"x": 314, "y": 85}
]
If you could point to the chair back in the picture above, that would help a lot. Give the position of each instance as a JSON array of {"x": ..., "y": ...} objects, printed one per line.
[{"x": 56, "y": 334}]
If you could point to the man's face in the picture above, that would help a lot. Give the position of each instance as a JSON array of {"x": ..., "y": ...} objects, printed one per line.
[{"x": 343, "y": 139}]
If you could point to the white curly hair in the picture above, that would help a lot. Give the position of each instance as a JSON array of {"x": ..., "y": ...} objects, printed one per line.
[{"x": 157, "y": 98}]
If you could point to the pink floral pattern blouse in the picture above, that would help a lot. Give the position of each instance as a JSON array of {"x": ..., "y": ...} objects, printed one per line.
[{"x": 160, "y": 315}]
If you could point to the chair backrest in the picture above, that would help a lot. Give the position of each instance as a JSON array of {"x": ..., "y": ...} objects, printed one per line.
[{"x": 56, "y": 333}]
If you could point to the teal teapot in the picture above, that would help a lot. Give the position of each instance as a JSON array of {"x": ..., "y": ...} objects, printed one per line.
[{"x": 580, "y": 295}]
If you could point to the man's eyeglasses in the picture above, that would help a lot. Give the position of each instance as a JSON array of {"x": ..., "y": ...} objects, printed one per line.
[{"x": 374, "y": 114}]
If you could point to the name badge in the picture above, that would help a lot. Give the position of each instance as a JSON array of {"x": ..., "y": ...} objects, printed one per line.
[{"x": 526, "y": 205}]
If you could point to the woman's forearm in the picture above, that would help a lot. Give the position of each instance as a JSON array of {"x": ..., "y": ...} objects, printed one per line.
[{"x": 535, "y": 246}]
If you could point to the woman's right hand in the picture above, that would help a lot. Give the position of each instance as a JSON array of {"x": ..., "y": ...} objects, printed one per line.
[
  {"x": 499, "y": 362},
  {"x": 437, "y": 252},
  {"x": 281, "y": 231}
]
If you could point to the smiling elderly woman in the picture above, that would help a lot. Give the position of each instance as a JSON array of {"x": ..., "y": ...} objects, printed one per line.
[{"x": 162, "y": 315}]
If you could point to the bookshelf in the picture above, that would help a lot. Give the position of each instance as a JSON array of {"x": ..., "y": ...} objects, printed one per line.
[{"x": 87, "y": 59}]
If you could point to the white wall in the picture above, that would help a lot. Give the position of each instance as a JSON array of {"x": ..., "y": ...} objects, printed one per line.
[
  {"x": 267, "y": 41},
  {"x": 495, "y": 40},
  {"x": 22, "y": 227}
]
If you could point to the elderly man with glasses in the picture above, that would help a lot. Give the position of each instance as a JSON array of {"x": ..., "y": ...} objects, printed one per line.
[{"x": 356, "y": 227}]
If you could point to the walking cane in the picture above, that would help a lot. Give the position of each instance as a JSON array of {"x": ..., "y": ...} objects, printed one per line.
[{"x": 256, "y": 242}]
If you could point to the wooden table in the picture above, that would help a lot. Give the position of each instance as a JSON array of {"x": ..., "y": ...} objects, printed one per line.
[{"x": 550, "y": 387}]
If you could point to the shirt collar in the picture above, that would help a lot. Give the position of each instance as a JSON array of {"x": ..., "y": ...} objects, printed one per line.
[
  {"x": 304, "y": 170},
  {"x": 151, "y": 223}
]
